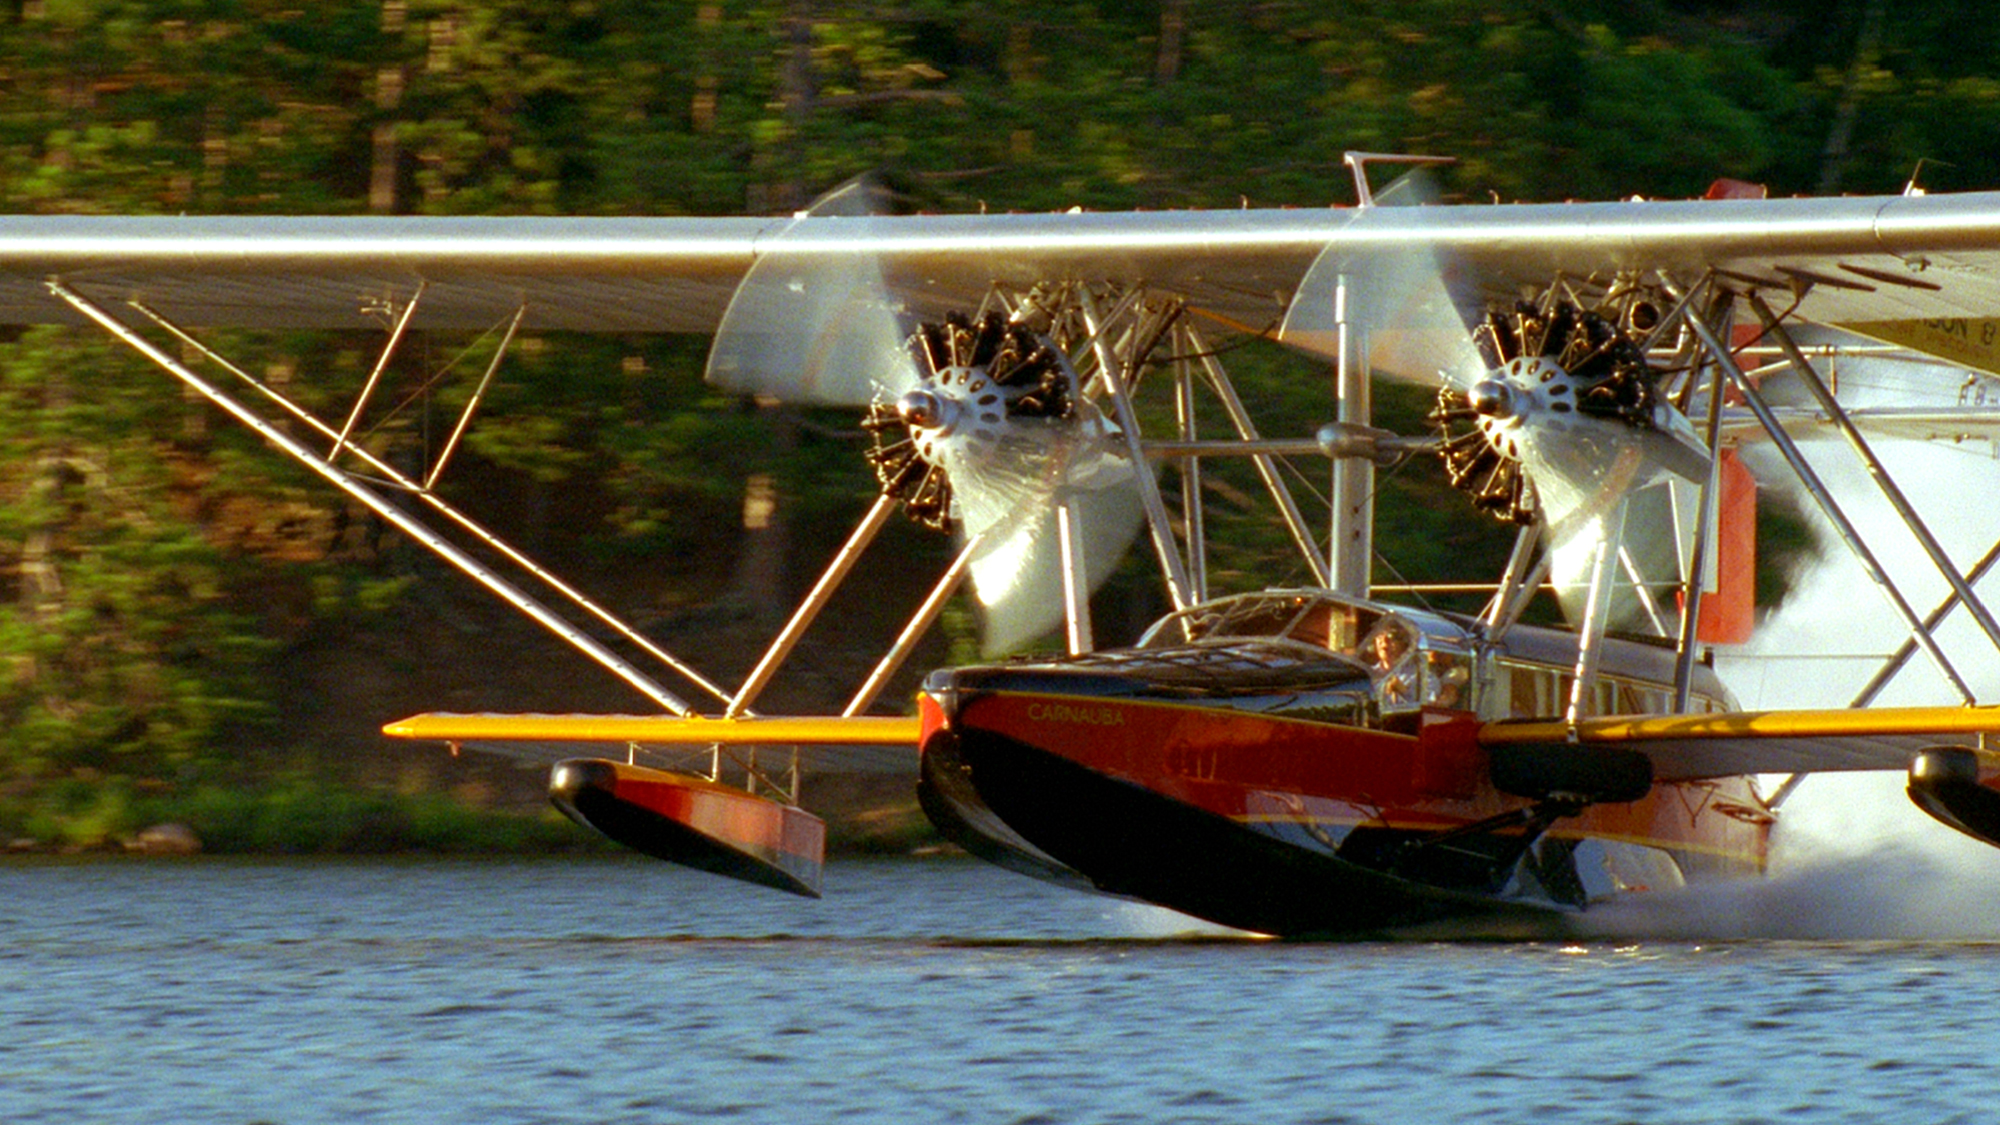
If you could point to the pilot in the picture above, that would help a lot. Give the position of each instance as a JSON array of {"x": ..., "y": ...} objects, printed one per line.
[{"x": 1389, "y": 649}]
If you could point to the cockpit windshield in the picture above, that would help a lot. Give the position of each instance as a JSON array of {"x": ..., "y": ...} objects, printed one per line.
[
  {"x": 1320, "y": 620},
  {"x": 1413, "y": 658}
]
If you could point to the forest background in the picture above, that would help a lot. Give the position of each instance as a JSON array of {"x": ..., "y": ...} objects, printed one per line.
[{"x": 191, "y": 631}]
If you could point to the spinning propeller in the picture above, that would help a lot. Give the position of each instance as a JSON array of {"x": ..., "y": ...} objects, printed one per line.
[
  {"x": 1548, "y": 412},
  {"x": 979, "y": 424}
]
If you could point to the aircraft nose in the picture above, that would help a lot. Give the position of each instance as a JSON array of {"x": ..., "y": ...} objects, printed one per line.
[{"x": 1491, "y": 398}]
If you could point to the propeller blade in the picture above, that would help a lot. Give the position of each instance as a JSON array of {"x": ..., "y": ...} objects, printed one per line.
[
  {"x": 1581, "y": 497},
  {"x": 977, "y": 419},
  {"x": 1656, "y": 523},
  {"x": 1017, "y": 574},
  {"x": 1007, "y": 495},
  {"x": 817, "y": 329},
  {"x": 1574, "y": 405},
  {"x": 1397, "y": 298},
  {"x": 1570, "y": 407}
]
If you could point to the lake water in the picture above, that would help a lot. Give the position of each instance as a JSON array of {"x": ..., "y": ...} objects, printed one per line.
[{"x": 917, "y": 991}]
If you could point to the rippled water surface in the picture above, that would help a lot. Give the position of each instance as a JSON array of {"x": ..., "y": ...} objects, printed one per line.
[{"x": 916, "y": 991}]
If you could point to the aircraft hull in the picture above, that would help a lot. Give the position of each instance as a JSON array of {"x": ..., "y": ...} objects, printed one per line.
[
  {"x": 1288, "y": 827},
  {"x": 1124, "y": 839}
]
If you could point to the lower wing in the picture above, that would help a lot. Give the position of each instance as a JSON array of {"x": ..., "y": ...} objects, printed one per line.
[
  {"x": 864, "y": 743},
  {"x": 1729, "y": 743}
]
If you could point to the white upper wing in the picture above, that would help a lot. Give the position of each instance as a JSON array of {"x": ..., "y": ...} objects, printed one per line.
[{"x": 1858, "y": 260}]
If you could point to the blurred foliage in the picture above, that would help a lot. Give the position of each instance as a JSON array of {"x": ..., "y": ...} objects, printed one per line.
[
  {"x": 121, "y": 640},
  {"x": 295, "y": 813},
  {"x": 151, "y": 557}
]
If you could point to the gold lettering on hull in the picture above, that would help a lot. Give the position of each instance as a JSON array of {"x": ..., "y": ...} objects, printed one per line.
[{"x": 1076, "y": 714}]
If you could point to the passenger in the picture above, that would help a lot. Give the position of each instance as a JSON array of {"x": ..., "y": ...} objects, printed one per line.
[{"x": 1447, "y": 678}]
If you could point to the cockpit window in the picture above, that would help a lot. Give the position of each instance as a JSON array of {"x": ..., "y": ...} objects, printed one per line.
[
  {"x": 1411, "y": 659},
  {"x": 1308, "y": 619},
  {"x": 1267, "y": 616}
]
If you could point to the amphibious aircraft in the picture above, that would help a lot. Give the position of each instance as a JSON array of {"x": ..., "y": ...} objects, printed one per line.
[{"x": 1050, "y": 387}]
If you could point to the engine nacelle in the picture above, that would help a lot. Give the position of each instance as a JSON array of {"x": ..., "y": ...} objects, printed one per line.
[{"x": 1947, "y": 782}]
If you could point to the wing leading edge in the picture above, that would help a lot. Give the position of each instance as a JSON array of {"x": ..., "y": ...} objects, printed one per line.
[
  {"x": 867, "y": 743},
  {"x": 1727, "y": 744},
  {"x": 1681, "y": 747},
  {"x": 1851, "y": 260}
]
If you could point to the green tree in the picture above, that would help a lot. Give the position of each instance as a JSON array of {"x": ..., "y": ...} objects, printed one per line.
[{"x": 126, "y": 654}]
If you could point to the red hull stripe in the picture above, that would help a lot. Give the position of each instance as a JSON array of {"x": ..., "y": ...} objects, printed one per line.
[
  {"x": 758, "y": 825},
  {"x": 1256, "y": 768}
]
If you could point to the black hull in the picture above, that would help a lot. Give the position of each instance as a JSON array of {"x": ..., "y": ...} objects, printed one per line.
[
  {"x": 1129, "y": 841},
  {"x": 1944, "y": 782}
]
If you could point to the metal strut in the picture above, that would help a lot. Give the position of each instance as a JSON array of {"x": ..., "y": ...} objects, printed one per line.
[
  {"x": 375, "y": 376},
  {"x": 1117, "y": 379},
  {"x": 1076, "y": 579},
  {"x": 437, "y": 504},
  {"x": 1188, "y": 427},
  {"x": 1939, "y": 558},
  {"x": 472, "y": 404},
  {"x": 1596, "y": 615},
  {"x": 1813, "y": 485},
  {"x": 816, "y": 599},
  {"x": 1685, "y": 645},
  {"x": 1936, "y": 617},
  {"x": 1265, "y": 464},
  {"x": 367, "y": 497},
  {"x": 1351, "y": 538},
  {"x": 919, "y": 624}
]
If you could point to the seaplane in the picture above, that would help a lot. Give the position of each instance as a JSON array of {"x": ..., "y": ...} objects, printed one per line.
[{"x": 1322, "y": 757}]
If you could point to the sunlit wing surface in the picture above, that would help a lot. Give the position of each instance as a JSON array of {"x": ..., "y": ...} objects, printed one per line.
[
  {"x": 1861, "y": 260},
  {"x": 1687, "y": 747},
  {"x": 848, "y": 744},
  {"x": 654, "y": 275}
]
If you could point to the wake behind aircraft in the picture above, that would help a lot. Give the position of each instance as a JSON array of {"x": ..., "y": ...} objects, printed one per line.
[{"x": 1303, "y": 760}]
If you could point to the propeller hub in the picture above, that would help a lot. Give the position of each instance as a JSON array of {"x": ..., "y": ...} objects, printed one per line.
[
  {"x": 924, "y": 410},
  {"x": 1491, "y": 398}
]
